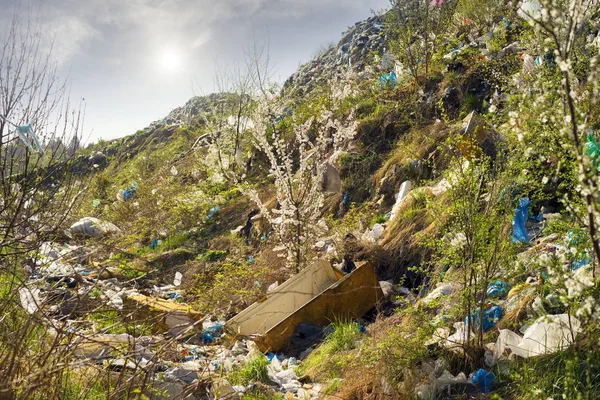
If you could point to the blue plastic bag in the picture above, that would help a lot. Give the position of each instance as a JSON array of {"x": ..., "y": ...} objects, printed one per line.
[
  {"x": 207, "y": 338},
  {"x": 519, "y": 230},
  {"x": 585, "y": 260},
  {"x": 491, "y": 316},
  {"x": 388, "y": 80},
  {"x": 486, "y": 380},
  {"x": 498, "y": 289},
  {"x": 215, "y": 330},
  {"x": 271, "y": 356},
  {"x": 213, "y": 211},
  {"x": 130, "y": 192}
]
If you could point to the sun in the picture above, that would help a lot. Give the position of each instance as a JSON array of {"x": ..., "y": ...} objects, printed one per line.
[{"x": 170, "y": 60}]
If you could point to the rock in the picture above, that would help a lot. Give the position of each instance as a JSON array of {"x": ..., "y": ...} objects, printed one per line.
[{"x": 94, "y": 228}]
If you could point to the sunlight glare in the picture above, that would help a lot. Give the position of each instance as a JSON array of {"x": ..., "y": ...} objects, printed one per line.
[{"x": 170, "y": 60}]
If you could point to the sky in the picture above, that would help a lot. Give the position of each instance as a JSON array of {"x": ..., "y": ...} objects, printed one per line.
[{"x": 133, "y": 61}]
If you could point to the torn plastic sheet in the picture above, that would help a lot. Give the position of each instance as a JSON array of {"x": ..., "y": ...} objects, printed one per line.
[
  {"x": 30, "y": 299},
  {"x": 546, "y": 335}
]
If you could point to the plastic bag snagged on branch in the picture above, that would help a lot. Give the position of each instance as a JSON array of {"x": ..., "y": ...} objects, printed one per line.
[{"x": 27, "y": 135}]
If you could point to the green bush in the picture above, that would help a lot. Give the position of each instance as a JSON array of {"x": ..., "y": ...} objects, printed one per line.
[{"x": 215, "y": 255}]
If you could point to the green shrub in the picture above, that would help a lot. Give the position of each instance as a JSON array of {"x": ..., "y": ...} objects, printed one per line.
[
  {"x": 254, "y": 371},
  {"x": 215, "y": 255}
]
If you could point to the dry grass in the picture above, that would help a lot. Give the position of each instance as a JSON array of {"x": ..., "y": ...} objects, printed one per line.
[{"x": 419, "y": 144}]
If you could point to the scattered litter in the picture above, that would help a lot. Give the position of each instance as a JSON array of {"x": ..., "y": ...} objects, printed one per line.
[
  {"x": 27, "y": 135},
  {"x": 127, "y": 193},
  {"x": 461, "y": 336},
  {"x": 388, "y": 81},
  {"x": 213, "y": 211},
  {"x": 443, "y": 290},
  {"x": 455, "y": 51},
  {"x": 593, "y": 150},
  {"x": 346, "y": 201},
  {"x": 376, "y": 232}
]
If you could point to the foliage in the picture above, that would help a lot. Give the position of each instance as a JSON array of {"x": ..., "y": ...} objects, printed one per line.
[
  {"x": 215, "y": 255},
  {"x": 231, "y": 287},
  {"x": 415, "y": 28},
  {"x": 475, "y": 243},
  {"x": 331, "y": 356},
  {"x": 252, "y": 372},
  {"x": 297, "y": 167}
]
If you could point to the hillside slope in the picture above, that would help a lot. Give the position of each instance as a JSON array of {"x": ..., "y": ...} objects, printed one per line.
[{"x": 459, "y": 184}]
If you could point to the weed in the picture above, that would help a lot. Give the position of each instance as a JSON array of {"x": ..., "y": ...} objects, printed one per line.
[
  {"x": 379, "y": 219},
  {"x": 330, "y": 356},
  {"x": 254, "y": 371}
]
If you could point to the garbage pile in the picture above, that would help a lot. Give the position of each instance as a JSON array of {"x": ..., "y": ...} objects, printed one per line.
[
  {"x": 184, "y": 351},
  {"x": 543, "y": 323},
  {"x": 351, "y": 51}
]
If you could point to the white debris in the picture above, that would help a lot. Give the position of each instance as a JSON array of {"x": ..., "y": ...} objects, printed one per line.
[
  {"x": 462, "y": 335},
  {"x": 405, "y": 189},
  {"x": 443, "y": 290},
  {"x": 273, "y": 286},
  {"x": 178, "y": 278},
  {"x": 114, "y": 299},
  {"x": 30, "y": 299},
  {"x": 546, "y": 335},
  {"x": 93, "y": 227},
  {"x": 376, "y": 232}
]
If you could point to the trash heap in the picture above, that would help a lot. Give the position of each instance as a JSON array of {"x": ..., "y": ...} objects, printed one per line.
[
  {"x": 544, "y": 324},
  {"x": 351, "y": 51},
  {"x": 184, "y": 352}
]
